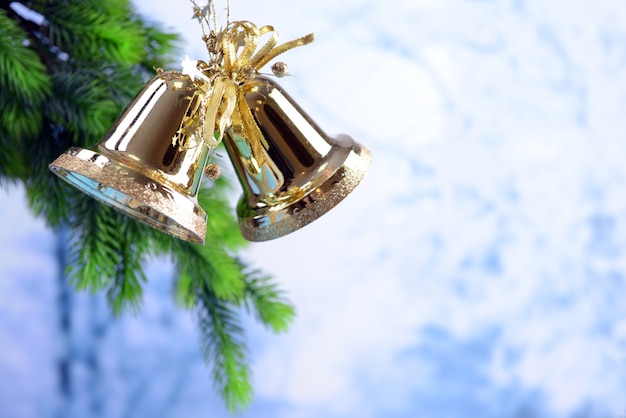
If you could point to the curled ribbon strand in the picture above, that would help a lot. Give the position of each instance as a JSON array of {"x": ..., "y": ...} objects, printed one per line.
[
  {"x": 227, "y": 104},
  {"x": 219, "y": 108}
]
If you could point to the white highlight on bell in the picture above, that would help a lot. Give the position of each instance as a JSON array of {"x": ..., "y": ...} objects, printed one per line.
[{"x": 311, "y": 134}]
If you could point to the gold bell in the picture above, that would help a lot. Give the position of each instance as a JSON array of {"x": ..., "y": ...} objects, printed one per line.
[
  {"x": 303, "y": 173},
  {"x": 149, "y": 165}
]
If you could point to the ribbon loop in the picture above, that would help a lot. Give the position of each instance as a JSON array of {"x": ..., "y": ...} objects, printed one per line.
[{"x": 241, "y": 59}]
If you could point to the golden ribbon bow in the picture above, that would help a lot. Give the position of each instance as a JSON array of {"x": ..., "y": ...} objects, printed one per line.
[{"x": 227, "y": 104}]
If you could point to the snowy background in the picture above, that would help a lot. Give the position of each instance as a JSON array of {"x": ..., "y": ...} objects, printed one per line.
[{"x": 478, "y": 270}]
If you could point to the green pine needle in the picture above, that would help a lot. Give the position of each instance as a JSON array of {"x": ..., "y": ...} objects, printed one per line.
[
  {"x": 88, "y": 29},
  {"x": 221, "y": 223},
  {"x": 264, "y": 298},
  {"x": 23, "y": 76},
  {"x": 212, "y": 266},
  {"x": 223, "y": 347},
  {"x": 95, "y": 245}
]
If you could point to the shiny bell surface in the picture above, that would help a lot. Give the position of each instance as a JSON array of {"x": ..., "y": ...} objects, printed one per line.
[
  {"x": 150, "y": 164},
  {"x": 303, "y": 173}
]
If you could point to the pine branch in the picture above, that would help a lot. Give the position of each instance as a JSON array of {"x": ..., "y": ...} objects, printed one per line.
[
  {"x": 108, "y": 251},
  {"x": 88, "y": 28},
  {"x": 211, "y": 264},
  {"x": 221, "y": 224},
  {"x": 12, "y": 166},
  {"x": 207, "y": 265},
  {"x": 159, "y": 48},
  {"x": 24, "y": 83},
  {"x": 34, "y": 36},
  {"x": 48, "y": 196},
  {"x": 126, "y": 290},
  {"x": 223, "y": 347},
  {"x": 82, "y": 105},
  {"x": 94, "y": 244},
  {"x": 21, "y": 71},
  {"x": 267, "y": 301}
]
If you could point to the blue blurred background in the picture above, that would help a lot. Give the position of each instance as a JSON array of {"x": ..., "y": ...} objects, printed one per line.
[{"x": 478, "y": 270}]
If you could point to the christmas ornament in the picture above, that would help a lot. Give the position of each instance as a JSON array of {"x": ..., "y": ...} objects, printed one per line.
[
  {"x": 302, "y": 172},
  {"x": 149, "y": 165},
  {"x": 213, "y": 171},
  {"x": 280, "y": 69}
]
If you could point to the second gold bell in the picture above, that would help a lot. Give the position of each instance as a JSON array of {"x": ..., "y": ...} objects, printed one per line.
[{"x": 303, "y": 172}]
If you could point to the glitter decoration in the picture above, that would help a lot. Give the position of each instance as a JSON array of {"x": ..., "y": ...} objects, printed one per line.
[
  {"x": 312, "y": 206},
  {"x": 280, "y": 69},
  {"x": 133, "y": 193},
  {"x": 213, "y": 171}
]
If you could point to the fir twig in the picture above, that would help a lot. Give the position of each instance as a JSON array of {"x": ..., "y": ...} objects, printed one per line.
[
  {"x": 223, "y": 347},
  {"x": 267, "y": 301}
]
